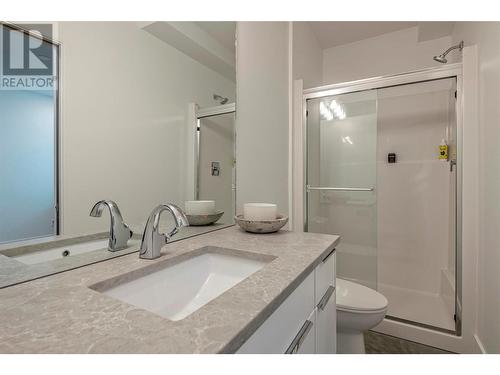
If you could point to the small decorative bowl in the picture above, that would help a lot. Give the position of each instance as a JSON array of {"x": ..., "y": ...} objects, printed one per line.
[
  {"x": 265, "y": 226},
  {"x": 199, "y": 220}
]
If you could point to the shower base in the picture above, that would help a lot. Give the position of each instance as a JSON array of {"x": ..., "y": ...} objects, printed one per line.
[{"x": 416, "y": 306}]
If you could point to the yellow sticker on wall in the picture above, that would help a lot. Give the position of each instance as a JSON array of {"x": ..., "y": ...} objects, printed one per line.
[{"x": 443, "y": 150}]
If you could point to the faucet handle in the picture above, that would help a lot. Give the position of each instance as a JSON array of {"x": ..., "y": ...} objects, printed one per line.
[
  {"x": 119, "y": 232},
  {"x": 130, "y": 232},
  {"x": 180, "y": 218}
]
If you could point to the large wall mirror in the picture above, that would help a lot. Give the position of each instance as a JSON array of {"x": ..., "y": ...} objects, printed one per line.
[{"x": 138, "y": 113}]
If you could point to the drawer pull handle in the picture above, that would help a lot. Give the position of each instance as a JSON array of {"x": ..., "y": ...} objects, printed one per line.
[
  {"x": 326, "y": 297},
  {"x": 299, "y": 339},
  {"x": 328, "y": 255}
]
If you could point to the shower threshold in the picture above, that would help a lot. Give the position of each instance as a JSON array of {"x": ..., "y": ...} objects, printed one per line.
[
  {"x": 426, "y": 310},
  {"x": 421, "y": 325}
]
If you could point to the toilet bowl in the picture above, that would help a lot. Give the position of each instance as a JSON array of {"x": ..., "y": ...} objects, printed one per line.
[{"x": 359, "y": 308}]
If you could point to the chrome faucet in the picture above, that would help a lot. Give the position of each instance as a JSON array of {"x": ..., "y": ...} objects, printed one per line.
[
  {"x": 119, "y": 232},
  {"x": 152, "y": 239}
]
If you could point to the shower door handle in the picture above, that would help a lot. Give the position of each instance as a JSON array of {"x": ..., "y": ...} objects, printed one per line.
[
  {"x": 452, "y": 163},
  {"x": 309, "y": 188}
]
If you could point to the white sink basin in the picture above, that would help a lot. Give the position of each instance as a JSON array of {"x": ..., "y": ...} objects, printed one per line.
[
  {"x": 64, "y": 251},
  {"x": 179, "y": 290}
]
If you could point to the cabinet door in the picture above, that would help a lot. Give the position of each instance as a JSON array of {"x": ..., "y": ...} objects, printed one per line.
[
  {"x": 305, "y": 341},
  {"x": 326, "y": 323},
  {"x": 278, "y": 331}
]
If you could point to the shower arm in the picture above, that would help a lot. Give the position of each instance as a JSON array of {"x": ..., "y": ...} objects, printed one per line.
[{"x": 459, "y": 46}]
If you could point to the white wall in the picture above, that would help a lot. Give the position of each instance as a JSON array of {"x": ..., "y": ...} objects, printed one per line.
[
  {"x": 306, "y": 71},
  {"x": 262, "y": 113},
  {"x": 486, "y": 35},
  {"x": 390, "y": 53},
  {"x": 307, "y": 57},
  {"x": 124, "y": 103}
]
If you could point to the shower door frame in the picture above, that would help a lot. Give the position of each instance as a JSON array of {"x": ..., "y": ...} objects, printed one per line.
[{"x": 419, "y": 76}]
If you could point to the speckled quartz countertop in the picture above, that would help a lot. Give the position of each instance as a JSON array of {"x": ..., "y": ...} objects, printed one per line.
[
  {"x": 13, "y": 272},
  {"x": 65, "y": 313}
]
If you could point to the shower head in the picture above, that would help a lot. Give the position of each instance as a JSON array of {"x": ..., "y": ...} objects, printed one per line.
[
  {"x": 220, "y": 99},
  {"x": 442, "y": 57}
]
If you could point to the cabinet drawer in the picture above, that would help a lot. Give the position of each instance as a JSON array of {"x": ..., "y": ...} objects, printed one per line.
[
  {"x": 279, "y": 330},
  {"x": 324, "y": 276}
]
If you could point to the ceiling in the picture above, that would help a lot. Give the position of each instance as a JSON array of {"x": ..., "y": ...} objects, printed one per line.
[
  {"x": 210, "y": 43},
  {"x": 333, "y": 33},
  {"x": 223, "y": 32}
]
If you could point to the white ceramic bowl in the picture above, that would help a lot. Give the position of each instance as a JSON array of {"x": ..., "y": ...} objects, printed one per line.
[
  {"x": 199, "y": 220},
  {"x": 264, "y": 226}
]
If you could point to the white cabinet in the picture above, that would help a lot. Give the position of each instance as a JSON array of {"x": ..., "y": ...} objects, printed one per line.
[
  {"x": 279, "y": 330},
  {"x": 326, "y": 309},
  {"x": 305, "y": 341},
  {"x": 324, "y": 275},
  {"x": 306, "y": 320},
  {"x": 326, "y": 325}
]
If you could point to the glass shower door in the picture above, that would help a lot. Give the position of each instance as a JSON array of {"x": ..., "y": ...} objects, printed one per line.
[
  {"x": 382, "y": 173},
  {"x": 416, "y": 202},
  {"x": 341, "y": 179}
]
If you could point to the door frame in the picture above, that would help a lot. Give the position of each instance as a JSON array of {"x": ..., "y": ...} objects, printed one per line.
[{"x": 211, "y": 112}]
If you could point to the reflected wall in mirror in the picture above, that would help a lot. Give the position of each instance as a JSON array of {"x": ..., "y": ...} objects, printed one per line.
[
  {"x": 119, "y": 123},
  {"x": 216, "y": 176}
]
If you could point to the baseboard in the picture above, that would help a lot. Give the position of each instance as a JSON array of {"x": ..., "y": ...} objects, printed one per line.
[{"x": 478, "y": 346}]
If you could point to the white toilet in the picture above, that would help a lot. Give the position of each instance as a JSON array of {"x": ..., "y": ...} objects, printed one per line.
[{"x": 358, "y": 309}]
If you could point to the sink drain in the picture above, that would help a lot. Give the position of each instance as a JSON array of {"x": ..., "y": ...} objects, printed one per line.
[{"x": 65, "y": 253}]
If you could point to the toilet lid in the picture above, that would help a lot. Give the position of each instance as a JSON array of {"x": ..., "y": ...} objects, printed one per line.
[{"x": 353, "y": 296}]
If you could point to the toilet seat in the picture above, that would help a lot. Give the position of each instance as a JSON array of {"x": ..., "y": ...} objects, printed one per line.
[{"x": 359, "y": 298}]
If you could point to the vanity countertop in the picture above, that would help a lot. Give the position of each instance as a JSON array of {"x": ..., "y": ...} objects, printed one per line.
[
  {"x": 61, "y": 314},
  {"x": 14, "y": 272}
]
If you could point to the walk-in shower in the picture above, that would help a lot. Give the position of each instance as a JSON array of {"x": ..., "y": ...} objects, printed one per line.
[{"x": 375, "y": 175}]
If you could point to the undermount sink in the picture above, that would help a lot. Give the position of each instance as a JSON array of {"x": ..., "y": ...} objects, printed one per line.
[
  {"x": 179, "y": 290},
  {"x": 65, "y": 251}
]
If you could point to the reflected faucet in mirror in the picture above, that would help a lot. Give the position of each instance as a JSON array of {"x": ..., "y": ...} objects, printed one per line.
[
  {"x": 152, "y": 239},
  {"x": 40, "y": 240},
  {"x": 119, "y": 232}
]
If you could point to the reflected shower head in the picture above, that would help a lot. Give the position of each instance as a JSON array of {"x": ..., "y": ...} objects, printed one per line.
[{"x": 442, "y": 57}]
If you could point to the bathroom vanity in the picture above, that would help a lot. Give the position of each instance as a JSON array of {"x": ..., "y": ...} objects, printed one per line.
[
  {"x": 309, "y": 311},
  {"x": 226, "y": 291},
  {"x": 24, "y": 261}
]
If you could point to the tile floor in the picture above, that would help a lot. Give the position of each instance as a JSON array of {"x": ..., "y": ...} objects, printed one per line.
[{"x": 377, "y": 343}]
